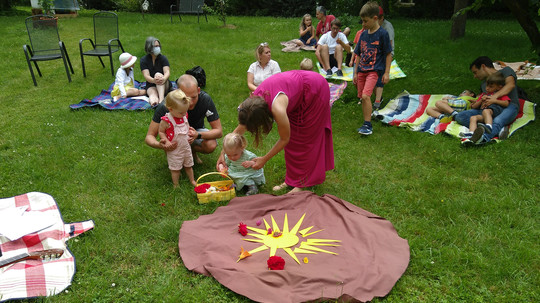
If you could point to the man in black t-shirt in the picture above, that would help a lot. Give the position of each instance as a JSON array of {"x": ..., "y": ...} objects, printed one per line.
[{"x": 202, "y": 140}]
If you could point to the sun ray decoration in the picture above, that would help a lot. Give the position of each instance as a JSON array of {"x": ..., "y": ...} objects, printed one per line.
[{"x": 287, "y": 239}]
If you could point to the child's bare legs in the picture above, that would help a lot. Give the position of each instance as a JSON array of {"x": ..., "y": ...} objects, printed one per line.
[
  {"x": 487, "y": 114},
  {"x": 474, "y": 122},
  {"x": 175, "y": 174},
  {"x": 367, "y": 108},
  {"x": 432, "y": 111},
  {"x": 189, "y": 173},
  {"x": 443, "y": 107},
  {"x": 135, "y": 92},
  {"x": 378, "y": 93}
]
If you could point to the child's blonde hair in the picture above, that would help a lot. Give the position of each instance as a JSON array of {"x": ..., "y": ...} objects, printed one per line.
[
  {"x": 260, "y": 49},
  {"x": 177, "y": 99},
  {"x": 370, "y": 10},
  {"x": 234, "y": 141},
  {"x": 306, "y": 64},
  {"x": 303, "y": 23}
]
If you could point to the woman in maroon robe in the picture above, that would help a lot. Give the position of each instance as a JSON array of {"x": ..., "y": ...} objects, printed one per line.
[{"x": 299, "y": 103}]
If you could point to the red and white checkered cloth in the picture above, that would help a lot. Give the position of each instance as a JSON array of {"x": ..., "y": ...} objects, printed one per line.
[{"x": 33, "y": 278}]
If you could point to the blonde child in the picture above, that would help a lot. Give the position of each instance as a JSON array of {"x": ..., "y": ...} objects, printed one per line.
[
  {"x": 238, "y": 163},
  {"x": 374, "y": 52},
  {"x": 307, "y": 32},
  {"x": 124, "y": 83},
  {"x": 306, "y": 64},
  {"x": 494, "y": 83},
  {"x": 174, "y": 127},
  {"x": 449, "y": 106}
]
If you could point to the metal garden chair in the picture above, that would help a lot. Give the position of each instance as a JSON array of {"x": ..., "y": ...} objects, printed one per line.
[
  {"x": 106, "y": 39},
  {"x": 188, "y": 7},
  {"x": 45, "y": 43}
]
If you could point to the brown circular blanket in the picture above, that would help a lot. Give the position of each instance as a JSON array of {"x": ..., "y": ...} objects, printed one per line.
[{"x": 365, "y": 263}]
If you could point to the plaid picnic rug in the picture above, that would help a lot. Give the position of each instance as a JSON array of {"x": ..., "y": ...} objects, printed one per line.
[
  {"x": 409, "y": 111},
  {"x": 33, "y": 278},
  {"x": 105, "y": 100},
  {"x": 395, "y": 72}
]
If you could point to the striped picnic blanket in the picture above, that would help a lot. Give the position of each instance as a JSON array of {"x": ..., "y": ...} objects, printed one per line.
[
  {"x": 33, "y": 278},
  {"x": 336, "y": 90},
  {"x": 105, "y": 100},
  {"x": 407, "y": 110},
  {"x": 395, "y": 72}
]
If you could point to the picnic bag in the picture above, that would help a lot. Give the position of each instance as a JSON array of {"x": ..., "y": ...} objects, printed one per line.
[{"x": 199, "y": 74}]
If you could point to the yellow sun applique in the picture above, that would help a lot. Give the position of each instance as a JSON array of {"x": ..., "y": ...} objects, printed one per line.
[{"x": 287, "y": 239}]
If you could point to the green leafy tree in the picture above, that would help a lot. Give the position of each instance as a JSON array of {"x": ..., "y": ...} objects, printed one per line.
[{"x": 219, "y": 9}]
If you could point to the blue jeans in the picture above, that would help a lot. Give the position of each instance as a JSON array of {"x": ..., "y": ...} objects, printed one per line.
[{"x": 506, "y": 117}]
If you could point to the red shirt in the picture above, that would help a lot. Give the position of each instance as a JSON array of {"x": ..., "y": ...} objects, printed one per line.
[{"x": 323, "y": 28}]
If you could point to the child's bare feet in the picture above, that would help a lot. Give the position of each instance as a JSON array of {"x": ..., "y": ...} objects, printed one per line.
[
  {"x": 193, "y": 183},
  {"x": 279, "y": 187}
]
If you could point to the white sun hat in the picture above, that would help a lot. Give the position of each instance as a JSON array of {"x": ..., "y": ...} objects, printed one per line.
[{"x": 127, "y": 60}]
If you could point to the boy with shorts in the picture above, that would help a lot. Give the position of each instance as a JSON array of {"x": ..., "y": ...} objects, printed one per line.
[
  {"x": 449, "y": 106},
  {"x": 494, "y": 83},
  {"x": 374, "y": 52}
]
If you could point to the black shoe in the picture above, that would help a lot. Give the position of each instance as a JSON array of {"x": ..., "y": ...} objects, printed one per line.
[
  {"x": 339, "y": 73},
  {"x": 329, "y": 73},
  {"x": 477, "y": 135},
  {"x": 503, "y": 135}
]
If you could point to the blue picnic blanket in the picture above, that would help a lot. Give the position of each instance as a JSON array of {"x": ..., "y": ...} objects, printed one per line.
[{"x": 105, "y": 100}]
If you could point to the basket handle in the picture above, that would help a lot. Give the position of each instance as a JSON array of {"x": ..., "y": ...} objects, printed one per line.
[{"x": 213, "y": 173}]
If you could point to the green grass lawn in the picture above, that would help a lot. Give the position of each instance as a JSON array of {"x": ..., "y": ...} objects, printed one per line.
[{"x": 471, "y": 216}]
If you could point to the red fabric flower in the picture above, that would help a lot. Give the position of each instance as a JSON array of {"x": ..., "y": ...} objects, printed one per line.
[
  {"x": 276, "y": 263},
  {"x": 201, "y": 189},
  {"x": 242, "y": 229},
  {"x": 269, "y": 231}
]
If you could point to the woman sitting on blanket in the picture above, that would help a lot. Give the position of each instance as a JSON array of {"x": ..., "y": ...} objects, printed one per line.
[
  {"x": 156, "y": 72},
  {"x": 449, "y": 106},
  {"x": 263, "y": 68},
  {"x": 124, "y": 83}
]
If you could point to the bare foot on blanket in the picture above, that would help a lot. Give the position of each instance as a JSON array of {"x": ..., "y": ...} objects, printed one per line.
[
  {"x": 279, "y": 187},
  {"x": 295, "y": 190}
]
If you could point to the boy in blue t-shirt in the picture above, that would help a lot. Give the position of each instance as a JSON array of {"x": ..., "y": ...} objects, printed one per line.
[{"x": 374, "y": 51}]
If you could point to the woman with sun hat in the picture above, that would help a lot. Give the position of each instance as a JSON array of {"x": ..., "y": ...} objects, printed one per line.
[{"x": 124, "y": 84}]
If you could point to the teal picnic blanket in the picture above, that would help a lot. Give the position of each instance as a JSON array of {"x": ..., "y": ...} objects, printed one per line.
[
  {"x": 395, "y": 72},
  {"x": 409, "y": 111}
]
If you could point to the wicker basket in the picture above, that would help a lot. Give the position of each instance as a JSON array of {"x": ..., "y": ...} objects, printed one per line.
[{"x": 223, "y": 195}]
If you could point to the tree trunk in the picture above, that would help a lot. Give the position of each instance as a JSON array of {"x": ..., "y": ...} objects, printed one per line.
[
  {"x": 459, "y": 22},
  {"x": 520, "y": 10}
]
